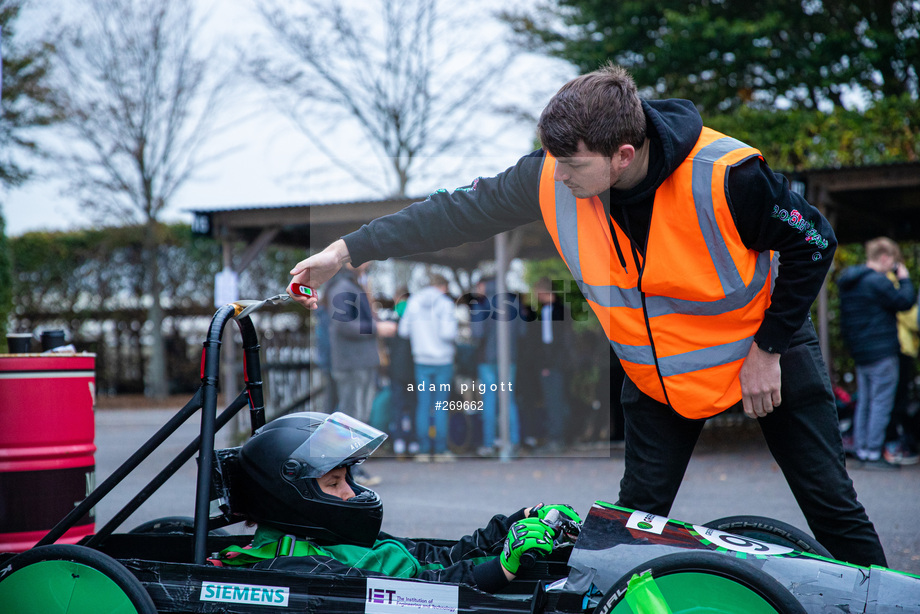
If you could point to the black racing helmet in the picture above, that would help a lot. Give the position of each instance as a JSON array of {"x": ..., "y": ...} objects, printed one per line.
[{"x": 280, "y": 465}]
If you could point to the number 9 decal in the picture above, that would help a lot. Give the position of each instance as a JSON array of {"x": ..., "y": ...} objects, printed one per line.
[{"x": 737, "y": 543}]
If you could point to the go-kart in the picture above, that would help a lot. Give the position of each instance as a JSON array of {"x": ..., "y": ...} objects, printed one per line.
[{"x": 621, "y": 560}]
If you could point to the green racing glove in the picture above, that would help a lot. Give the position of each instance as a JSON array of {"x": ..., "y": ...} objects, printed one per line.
[
  {"x": 567, "y": 511},
  {"x": 528, "y": 535}
]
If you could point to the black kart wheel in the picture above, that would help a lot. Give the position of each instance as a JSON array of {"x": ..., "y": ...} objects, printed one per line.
[
  {"x": 69, "y": 579},
  {"x": 771, "y": 531},
  {"x": 183, "y": 525},
  {"x": 698, "y": 581}
]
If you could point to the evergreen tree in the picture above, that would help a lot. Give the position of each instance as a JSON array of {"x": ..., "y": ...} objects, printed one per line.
[
  {"x": 728, "y": 53},
  {"x": 773, "y": 73}
]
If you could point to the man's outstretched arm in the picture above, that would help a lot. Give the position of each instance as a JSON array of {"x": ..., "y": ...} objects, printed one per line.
[
  {"x": 475, "y": 212},
  {"x": 486, "y": 207}
]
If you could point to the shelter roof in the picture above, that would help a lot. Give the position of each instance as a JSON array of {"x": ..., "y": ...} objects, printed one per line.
[
  {"x": 315, "y": 225},
  {"x": 861, "y": 202}
]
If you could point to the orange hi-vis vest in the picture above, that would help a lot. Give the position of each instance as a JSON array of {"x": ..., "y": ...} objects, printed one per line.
[{"x": 682, "y": 323}]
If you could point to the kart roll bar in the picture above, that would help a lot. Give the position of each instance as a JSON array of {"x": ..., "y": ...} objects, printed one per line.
[
  {"x": 210, "y": 368},
  {"x": 163, "y": 476},
  {"x": 205, "y": 398}
]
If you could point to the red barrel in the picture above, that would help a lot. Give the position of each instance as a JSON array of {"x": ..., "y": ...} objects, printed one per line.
[{"x": 47, "y": 430}]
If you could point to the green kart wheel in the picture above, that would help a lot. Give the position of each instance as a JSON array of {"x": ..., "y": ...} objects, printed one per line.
[
  {"x": 697, "y": 582},
  {"x": 68, "y": 579}
]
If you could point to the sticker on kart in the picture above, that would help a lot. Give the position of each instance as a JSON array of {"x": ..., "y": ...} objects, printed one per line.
[
  {"x": 386, "y": 596},
  {"x": 736, "y": 543},
  {"x": 643, "y": 521},
  {"x": 245, "y": 593}
]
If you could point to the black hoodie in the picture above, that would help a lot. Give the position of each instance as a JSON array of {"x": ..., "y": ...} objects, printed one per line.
[{"x": 768, "y": 215}]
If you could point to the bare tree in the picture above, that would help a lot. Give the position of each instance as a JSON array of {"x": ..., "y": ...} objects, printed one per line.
[
  {"x": 140, "y": 102},
  {"x": 27, "y": 102},
  {"x": 408, "y": 78}
]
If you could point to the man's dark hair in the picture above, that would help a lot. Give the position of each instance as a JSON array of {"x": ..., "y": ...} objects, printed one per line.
[{"x": 601, "y": 108}]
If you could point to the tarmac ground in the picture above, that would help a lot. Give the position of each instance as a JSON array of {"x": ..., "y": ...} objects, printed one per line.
[{"x": 731, "y": 473}]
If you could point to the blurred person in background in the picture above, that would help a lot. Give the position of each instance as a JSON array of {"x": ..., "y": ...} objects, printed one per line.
[
  {"x": 904, "y": 428},
  {"x": 323, "y": 358},
  {"x": 355, "y": 359},
  {"x": 430, "y": 324},
  {"x": 484, "y": 318},
  {"x": 869, "y": 303},
  {"x": 554, "y": 359},
  {"x": 401, "y": 372}
]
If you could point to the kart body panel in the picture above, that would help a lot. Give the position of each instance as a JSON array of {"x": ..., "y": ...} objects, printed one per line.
[{"x": 614, "y": 540}]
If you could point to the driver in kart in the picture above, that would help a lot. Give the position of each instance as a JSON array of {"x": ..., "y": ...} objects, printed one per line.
[{"x": 296, "y": 484}]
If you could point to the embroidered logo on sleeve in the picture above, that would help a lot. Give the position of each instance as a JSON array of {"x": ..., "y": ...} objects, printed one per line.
[
  {"x": 471, "y": 187},
  {"x": 794, "y": 219}
]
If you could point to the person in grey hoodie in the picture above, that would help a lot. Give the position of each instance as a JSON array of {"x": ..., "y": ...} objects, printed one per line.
[
  {"x": 869, "y": 304},
  {"x": 430, "y": 324}
]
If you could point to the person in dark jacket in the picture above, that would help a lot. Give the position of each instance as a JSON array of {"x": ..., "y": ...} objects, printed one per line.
[
  {"x": 554, "y": 349},
  {"x": 869, "y": 304},
  {"x": 323, "y": 359},
  {"x": 672, "y": 231},
  {"x": 402, "y": 373},
  {"x": 353, "y": 332},
  {"x": 295, "y": 482},
  {"x": 485, "y": 312}
]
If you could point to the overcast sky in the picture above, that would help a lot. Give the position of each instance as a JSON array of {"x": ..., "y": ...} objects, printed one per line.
[{"x": 272, "y": 163}]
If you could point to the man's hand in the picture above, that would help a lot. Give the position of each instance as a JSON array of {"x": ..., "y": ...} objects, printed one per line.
[
  {"x": 318, "y": 269},
  {"x": 760, "y": 382},
  {"x": 530, "y": 534}
]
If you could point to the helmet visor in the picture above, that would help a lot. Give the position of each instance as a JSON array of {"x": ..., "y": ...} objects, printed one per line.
[{"x": 339, "y": 440}]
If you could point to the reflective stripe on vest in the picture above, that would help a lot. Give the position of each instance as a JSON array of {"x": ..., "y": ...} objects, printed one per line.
[{"x": 695, "y": 267}]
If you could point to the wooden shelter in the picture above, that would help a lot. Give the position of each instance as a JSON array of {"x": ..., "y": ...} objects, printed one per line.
[
  {"x": 313, "y": 226},
  {"x": 861, "y": 203}
]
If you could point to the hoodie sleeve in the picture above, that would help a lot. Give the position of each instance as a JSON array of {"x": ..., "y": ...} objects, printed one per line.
[
  {"x": 486, "y": 207},
  {"x": 770, "y": 216}
]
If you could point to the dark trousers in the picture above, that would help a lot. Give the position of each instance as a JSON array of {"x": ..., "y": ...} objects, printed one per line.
[{"x": 802, "y": 434}]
